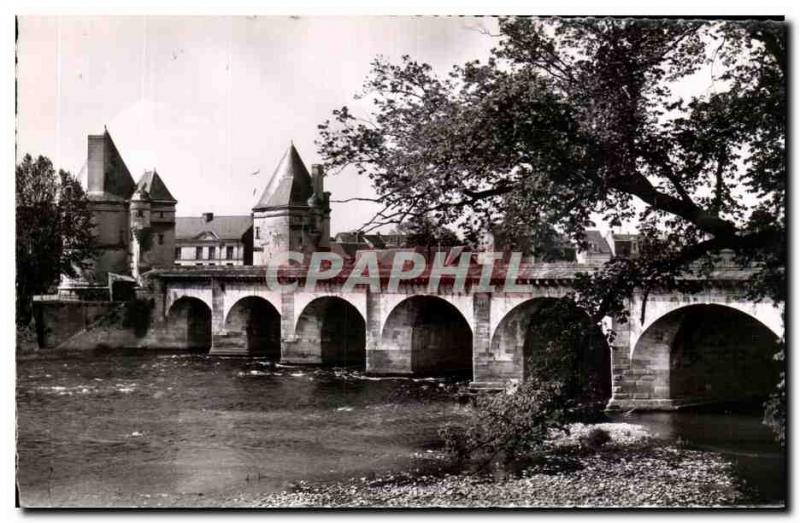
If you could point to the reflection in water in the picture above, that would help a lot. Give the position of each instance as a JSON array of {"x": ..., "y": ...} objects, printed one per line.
[
  {"x": 740, "y": 436},
  {"x": 192, "y": 430}
]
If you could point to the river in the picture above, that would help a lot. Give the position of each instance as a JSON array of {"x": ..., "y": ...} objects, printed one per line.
[{"x": 162, "y": 429}]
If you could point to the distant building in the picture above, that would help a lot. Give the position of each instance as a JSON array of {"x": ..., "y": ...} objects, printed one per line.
[
  {"x": 134, "y": 223},
  {"x": 213, "y": 240},
  {"x": 597, "y": 250},
  {"x": 624, "y": 245},
  {"x": 348, "y": 243}
]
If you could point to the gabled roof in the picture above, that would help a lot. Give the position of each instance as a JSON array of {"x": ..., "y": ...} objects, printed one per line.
[
  {"x": 155, "y": 187},
  {"x": 223, "y": 227},
  {"x": 593, "y": 237},
  {"x": 290, "y": 184}
]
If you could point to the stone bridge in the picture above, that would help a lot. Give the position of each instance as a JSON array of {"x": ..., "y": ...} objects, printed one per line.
[{"x": 687, "y": 348}]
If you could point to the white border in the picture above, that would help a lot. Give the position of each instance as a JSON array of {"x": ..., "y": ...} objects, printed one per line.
[{"x": 321, "y": 7}]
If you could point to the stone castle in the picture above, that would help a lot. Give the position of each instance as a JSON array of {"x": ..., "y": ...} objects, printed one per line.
[{"x": 135, "y": 222}]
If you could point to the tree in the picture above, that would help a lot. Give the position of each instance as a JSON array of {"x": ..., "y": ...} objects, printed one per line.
[
  {"x": 574, "y": 119},
  {"x": 54, "y": 230},
  {"x": 423, "y": 232}
]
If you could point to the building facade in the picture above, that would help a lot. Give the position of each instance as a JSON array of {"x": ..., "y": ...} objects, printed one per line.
[{"x": 213, "y": 240}]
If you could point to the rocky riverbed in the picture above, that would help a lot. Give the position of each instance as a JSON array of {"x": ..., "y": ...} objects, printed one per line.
[{"x": 632, "y": 470}]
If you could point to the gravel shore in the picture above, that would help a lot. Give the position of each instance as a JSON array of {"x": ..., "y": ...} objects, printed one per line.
[{"x": 630, "y": 471}]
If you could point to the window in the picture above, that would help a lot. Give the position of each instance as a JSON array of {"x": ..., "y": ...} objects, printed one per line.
[
  {"x": 229, "y": 252},
  {"x": 258, "y": 233},
  {"x": 122, "y": 236},
  {"x": 160, "y": 214},
  {"x": 229, "y": 264},
  {"x": 211, "y": 253},
  {"x": 177, "y": 253},
  {"x": 198, "y": 253},
  {"x": 161, "y": 239},
  {"x": 139, "y": 213}
]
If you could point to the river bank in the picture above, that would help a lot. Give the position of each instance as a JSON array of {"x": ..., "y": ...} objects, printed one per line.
[{"x": 629, "y": 472}]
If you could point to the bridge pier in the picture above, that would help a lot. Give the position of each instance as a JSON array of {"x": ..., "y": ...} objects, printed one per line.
[
  {"x": 378, "y": 360},
  {"x": 296, "y": 349},
  {"x": 386, "y": 355},
  {"x": 490, "y": 371},
  {"x": 228, "y": 344}
]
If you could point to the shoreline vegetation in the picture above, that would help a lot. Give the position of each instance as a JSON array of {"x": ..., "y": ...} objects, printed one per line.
[{"x": 633, "y": 469}]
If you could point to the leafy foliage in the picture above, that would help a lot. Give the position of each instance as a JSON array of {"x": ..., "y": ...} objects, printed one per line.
[
  {"x": 775, "y": 406},
  {"x": 571, "y": 120},
  {"x": 423, "y": 232},
  {"x": 508, "y": 426},
  {"x": 562, "y": 386},
  {"x": 54, "y": 230}
]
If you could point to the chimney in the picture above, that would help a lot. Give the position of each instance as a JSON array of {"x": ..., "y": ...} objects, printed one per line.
[
  {"x": 316, "y": 179},
  {"x": 208, "y": 216}
]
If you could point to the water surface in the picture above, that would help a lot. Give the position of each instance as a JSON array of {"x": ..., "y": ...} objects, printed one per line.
[
  {"x": 187, "y": 430},
  {"x": 159, "y": 429}
]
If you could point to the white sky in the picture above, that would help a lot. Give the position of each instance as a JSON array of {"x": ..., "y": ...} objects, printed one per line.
[{"x": 210, "y": 100}]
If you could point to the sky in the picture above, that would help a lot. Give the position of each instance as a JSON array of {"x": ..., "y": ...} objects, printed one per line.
[{"x": 213, "y": 102}]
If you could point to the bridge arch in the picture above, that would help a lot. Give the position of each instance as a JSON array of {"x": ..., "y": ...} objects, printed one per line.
[
  {"x": 523, "y": 334},
  {"x": 258, "y": 323},
  {"x": 703, "y": 353},
  {"x": 430, "y": 335},
  {"x": 177, "y": 293},
  {"x": 189, "y": 324},
  {"x": 335, "y": 326},
  {"x": 659, "y": 306}
]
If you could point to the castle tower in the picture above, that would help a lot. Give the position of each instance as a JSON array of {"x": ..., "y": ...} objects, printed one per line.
[
  {"x": 141, "y": 234},
  {"x": 159, "y": 245},
  {"x": 108, "y": 185},
  {"x": 293, "y": 212},
  {"x": 119, "y": 208}
]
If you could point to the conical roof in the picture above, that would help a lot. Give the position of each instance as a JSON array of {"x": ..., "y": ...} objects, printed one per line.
[
  {"x": 155, "y": 187},
  {"x": 289, "y": 185},
  {"x": 107, "y": 176}
]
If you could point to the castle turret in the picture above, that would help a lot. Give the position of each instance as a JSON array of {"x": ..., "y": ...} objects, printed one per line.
[
  {"x": 287, "y": 217},
  {"x": 141, "y": 234},
  {"x": 157, "y": 219}
]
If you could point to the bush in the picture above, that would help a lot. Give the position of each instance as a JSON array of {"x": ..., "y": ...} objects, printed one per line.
[
  {"x": 560, "y": 389},
  {"x": 595, "y": 439},
  {"x": 508, "y": 425},
  {"x": 775, "y": 406}
]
